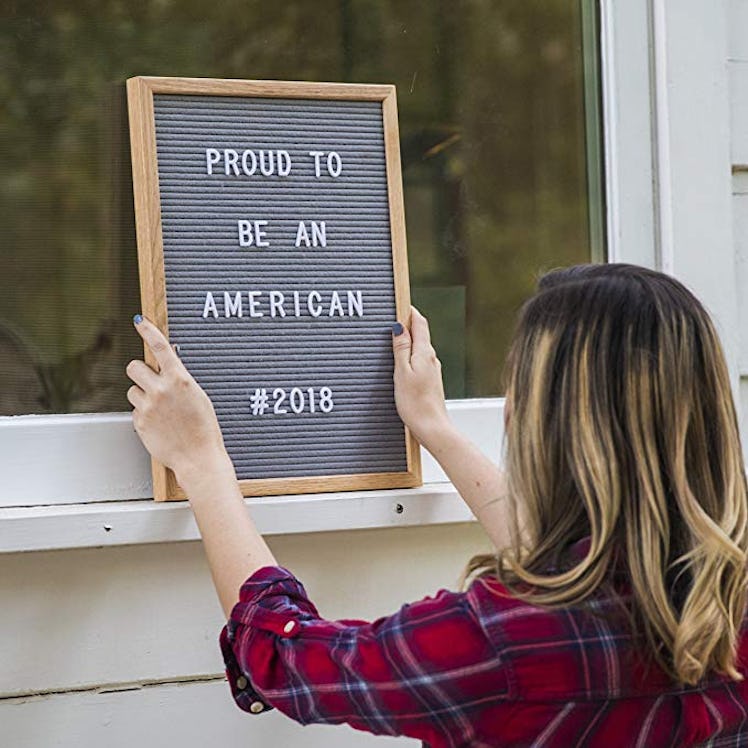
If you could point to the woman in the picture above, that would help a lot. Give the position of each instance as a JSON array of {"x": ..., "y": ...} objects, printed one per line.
[{"x": 612, "y": 611}]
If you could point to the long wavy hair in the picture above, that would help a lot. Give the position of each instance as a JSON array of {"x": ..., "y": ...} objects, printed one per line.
[{"x": 622, "y": 429}]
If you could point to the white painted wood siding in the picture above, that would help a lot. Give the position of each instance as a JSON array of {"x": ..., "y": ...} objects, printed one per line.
[
  {"x": 119, "y": 646},
  {"x": 737, "y": 65},
  {"x": 162, "y": 716}
]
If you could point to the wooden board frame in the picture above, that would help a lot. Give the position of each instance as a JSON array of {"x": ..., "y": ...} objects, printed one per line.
[{"x": 140, "y": 92}]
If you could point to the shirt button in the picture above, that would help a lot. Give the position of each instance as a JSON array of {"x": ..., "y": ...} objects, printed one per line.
[
  {"x": 241, "y": 682},
  {"x": 256, "y": 707},
  {"x": 288, "y": 628}
]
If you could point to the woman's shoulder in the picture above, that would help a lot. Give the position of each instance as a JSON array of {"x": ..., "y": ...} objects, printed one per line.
[
  {"x": 504, "y": 615},
  {"x": 512, "y": 613},
  {"x": 564, "y": 652},
  {"x": 549, "y": 649}
]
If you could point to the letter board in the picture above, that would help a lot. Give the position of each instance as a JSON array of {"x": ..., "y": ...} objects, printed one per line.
[{"x": 271, "y": 246}]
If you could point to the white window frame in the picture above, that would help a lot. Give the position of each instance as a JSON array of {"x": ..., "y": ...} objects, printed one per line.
[
  {"x": 667, "y": 125},
  {"x": 84, "y": 480}
]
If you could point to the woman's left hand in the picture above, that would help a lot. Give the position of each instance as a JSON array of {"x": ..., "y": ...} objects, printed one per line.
[{"x": 172, "y": 415}]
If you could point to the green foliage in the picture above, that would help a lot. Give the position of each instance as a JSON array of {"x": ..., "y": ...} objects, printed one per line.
[{"x": 491, "y": 101}]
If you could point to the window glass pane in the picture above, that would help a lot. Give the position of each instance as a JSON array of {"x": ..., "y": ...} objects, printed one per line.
[{"x": 500, "y": 144}]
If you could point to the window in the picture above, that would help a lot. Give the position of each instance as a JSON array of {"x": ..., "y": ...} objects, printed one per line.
[
  {"x": 498, "y": 106},
  {"x": 500, "y": 123}
]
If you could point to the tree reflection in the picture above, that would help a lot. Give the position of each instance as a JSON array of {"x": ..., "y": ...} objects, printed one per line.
[{"x": 491, "y": 100}]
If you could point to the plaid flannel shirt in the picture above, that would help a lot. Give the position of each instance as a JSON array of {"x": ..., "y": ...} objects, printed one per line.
[{"x": 477, "y": 668}]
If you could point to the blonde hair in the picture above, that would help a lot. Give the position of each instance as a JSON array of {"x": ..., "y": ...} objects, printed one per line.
[{"x": 623, "y": 429}]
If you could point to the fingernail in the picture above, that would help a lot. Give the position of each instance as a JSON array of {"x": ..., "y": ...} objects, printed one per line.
[
  {"x": 397, "y": 329},
  {"x": 137, "y": 319}
]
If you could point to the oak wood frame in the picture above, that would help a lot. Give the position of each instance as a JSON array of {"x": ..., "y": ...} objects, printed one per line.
[{"x": 140, "y": 91}]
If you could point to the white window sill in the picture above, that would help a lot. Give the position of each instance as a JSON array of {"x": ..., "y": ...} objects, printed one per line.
[
  {"x": 112, "y": 523},
  {"x": 66, "y": 479}
]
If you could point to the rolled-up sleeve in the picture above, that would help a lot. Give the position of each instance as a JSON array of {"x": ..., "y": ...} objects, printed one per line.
[
  {"x": 271, "y": 601},
  {"x": 418, "y": 672}
]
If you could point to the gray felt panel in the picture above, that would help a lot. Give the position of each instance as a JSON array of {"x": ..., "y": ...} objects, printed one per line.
[{"x": 234, "y": 357}]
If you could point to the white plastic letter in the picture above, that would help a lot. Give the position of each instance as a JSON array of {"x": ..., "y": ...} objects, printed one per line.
[
  {"x": 335, "y": 306},
  {"x": 246, "y": 237},
  {"x": 302, "y": 235},
  {"x": 253, "y": 311},
  {"x": 284, "y": 163},
  {"x": 210, "y": 306},
  {"x": 249, "y": 171},
  {"x": 260, "y": 234},
  {"x": 316, "y": 310},
  {"x": 317, "y": 155},
  {"x": 334, "y": 164},
  {"x": 355, "y": 302},
  {"x": 319, "y": 234},
  {"x": 276, "y": 304},
  {"x": 231, "y": 161},
  {"x": 233, "y": 307},
  {"x": 268, "y": 169},
  {"x": 212, "y": 157}
]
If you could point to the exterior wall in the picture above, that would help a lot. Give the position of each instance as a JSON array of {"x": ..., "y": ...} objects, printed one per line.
[
  {"x": 738, "y": 77},
  {"x": 692, "y": 115},
  {"x": 118, "y": 646}
]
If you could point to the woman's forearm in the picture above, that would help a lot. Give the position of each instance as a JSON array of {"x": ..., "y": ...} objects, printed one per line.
[
  {"x": 177, "y": 423},
  {"x": 233, "y": 546},
  {"x": 479, "y": 481},
  {"x": 419, "y": 396}
]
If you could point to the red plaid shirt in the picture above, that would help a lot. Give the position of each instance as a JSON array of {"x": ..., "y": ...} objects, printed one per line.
[{"x": 468, "y": 669}]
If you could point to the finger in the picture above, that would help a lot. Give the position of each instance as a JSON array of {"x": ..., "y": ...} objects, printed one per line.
[
  {"x": 136, "y": 396},
  {"x": 401, "y": 345},
  {"x": 156, "y": 341},
  {"x": 142, "y": 374},
  {"x": 419, "y": 330}
]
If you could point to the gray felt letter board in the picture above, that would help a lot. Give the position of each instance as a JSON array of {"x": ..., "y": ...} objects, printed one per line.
[{"x": 271, "y": 246}]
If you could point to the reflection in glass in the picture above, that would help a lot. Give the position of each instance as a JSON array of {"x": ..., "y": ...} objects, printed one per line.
[{"x": 500, "y": 147}]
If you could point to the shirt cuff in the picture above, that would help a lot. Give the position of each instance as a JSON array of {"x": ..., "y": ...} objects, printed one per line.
[
  {"x": 245, "y": 697},
  {"x": 273, "y": 600}
]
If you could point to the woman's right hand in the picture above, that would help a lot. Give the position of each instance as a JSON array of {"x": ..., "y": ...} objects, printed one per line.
[{"x": 419, "y": 391}]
